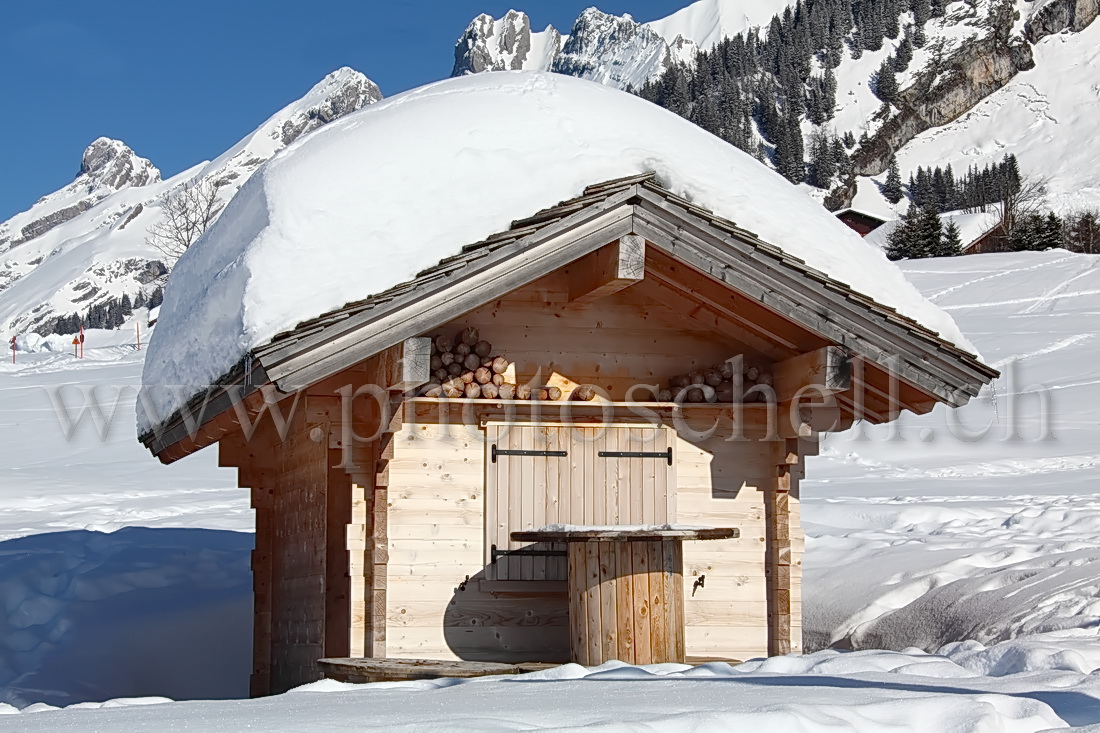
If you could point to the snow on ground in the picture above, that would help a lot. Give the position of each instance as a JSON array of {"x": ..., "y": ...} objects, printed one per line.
[
  {"x": 929, "y": 538},
  {"x": 118, "y": 577},
  {"x": 983, "y": 552},
  {"x": 880, "y": 691},
  {"x": 708, "y": 22},
  {"x": 87, "y": 482},
  {"x": 413, "y": 193}
]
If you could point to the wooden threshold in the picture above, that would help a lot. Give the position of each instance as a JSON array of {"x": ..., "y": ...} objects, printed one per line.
[
  {"x": 359, "y": 670},
  {"x": 363, "y": 670}
]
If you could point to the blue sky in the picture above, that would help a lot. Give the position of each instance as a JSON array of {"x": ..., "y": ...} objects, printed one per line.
[{"x": 181, "y": 82}]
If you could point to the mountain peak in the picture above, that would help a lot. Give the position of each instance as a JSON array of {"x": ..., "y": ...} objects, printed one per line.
[
  {"x": 505, "y": 44},
  {"x": 113, "y": 164},
  {"x": 340, "y": 93}
]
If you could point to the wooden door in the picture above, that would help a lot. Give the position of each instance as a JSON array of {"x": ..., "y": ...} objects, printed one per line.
[{"x": 537, "y": 475}]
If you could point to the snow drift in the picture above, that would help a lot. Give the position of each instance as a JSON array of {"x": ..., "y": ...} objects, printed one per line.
[{"x": 369, "y": 200}]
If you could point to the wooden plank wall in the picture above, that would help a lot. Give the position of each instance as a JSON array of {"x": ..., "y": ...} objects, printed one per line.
[
  {"x": 528, "y": 492},
  {"x": 437, "y": 478},
  {"x": 619, "y": 341},
  {"x": 303, "y": 505},
  {"x": 299, "y": 521},
  {"x": 435, "y": 541},
  {"x": 436, "y": 532},
  {"x": 725, "y": 484}
]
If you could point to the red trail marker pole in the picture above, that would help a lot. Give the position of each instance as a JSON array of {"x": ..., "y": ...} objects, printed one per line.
[
  {"x": 137, "y": 327},
  {"x": 82, "y": 341},
  {"x": 13, "y": 349}
]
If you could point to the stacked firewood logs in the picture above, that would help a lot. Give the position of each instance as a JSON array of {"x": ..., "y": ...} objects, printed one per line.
[
  {"x": 465, "y": 367},
  {"x": 717, "y": 384}
]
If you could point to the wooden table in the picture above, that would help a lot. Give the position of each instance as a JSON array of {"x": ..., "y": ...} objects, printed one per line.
[{"x": 626, "y": 591}]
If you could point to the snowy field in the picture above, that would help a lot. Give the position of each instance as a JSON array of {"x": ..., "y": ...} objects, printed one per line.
[{"x": 974, "y": 557}]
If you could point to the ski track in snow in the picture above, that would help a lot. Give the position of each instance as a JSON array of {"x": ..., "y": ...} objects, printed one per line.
[
  {"x": 1057, "y": 346},
  {"x": 1055, "y": 292},
  {"x": 970, "y": 283}
]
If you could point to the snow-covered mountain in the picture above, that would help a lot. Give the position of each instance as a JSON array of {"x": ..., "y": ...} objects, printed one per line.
[
  {"x": 981, "y": 86},
  {"x": 86, "y": 243},
  {"x": 1044, "y": 110},
  {"x": 971, "y": 94},
  {"x": 615, "y": 50}
]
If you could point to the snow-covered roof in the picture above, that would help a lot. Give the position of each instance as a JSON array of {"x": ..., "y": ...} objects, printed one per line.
[
  {"x": 860, "y": 212},
  {"x": 368, "y": 201},
  {"x": 972, "y": 226}
]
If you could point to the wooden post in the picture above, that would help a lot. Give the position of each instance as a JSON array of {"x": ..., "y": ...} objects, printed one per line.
[
  {"x": 260, "y": 682},
  {"x": 625, "y": 591},
  {"x": 777, "y": 552}
]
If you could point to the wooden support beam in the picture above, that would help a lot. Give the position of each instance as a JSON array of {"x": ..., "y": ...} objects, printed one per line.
[
  {"x": 262, "y": 598},
  {"x": 777, "y": 558},
  {"x": 819, "y": 373},
  {"x": 809, "y": 420},
  {"x": 406, "y": 366},
  {"x": 607, "y": 270}
]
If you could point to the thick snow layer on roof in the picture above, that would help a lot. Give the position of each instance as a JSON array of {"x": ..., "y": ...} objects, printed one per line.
[{"x": 369, "y": 200}]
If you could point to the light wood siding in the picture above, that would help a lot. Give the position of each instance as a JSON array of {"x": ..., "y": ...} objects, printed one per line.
[
  {"x": 439, "y": 602},
  {"x": 721, "y": 484},
  {"x": 622, "y": 340},
  {"x": 438, "y": 513},
  {"x": 581, "y": 487}
]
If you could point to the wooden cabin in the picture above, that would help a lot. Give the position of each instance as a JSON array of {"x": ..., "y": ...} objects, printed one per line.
[
  {"x": 386, "y": 503},
  {"x": 860, "y": 222}
]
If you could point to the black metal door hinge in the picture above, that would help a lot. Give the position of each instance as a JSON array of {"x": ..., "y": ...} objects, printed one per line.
[
  {"x": 637, "y": 454},
  {"x": 551, "y": 453}
]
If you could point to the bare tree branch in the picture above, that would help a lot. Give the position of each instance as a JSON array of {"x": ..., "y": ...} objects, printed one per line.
[{"x": 188, "y": 211}]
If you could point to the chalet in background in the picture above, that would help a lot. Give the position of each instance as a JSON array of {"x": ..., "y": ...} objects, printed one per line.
[
  {"x": 400, "y": 527},
  {"x": 861, "y": 222}
]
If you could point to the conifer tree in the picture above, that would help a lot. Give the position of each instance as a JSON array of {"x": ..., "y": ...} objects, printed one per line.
[
  {"x": 928, "y": 237},
  {"x": 843, "y": 162},
  {"x": 903, "y": 56},
  {"x": 899, "y": 245},
  {"x": 886, "y": 83},
  {"x": 918, "y": 234},
  {"x": 1050, "y": 235},
  {"x": 892, "y": 190},
  {"x": 1027, "y": 235},
  {"x": 951, "y": 243},
  {"x": 823, "y": 163},
  {"x": 830, "y": 93},
  {"x": 922, "y": 11}
]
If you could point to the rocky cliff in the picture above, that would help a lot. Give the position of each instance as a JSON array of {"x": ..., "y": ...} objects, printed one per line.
[{"x": 946, "y": 89}]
